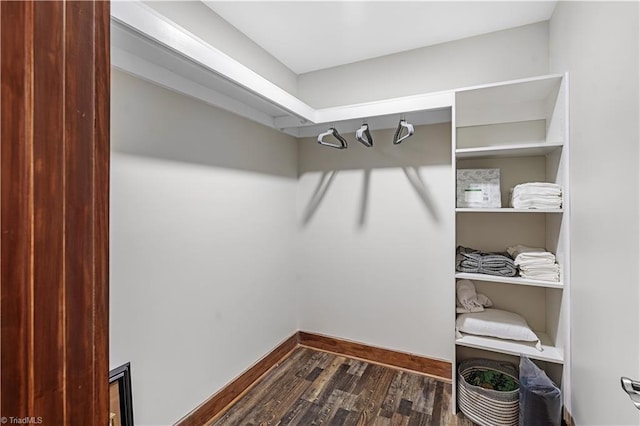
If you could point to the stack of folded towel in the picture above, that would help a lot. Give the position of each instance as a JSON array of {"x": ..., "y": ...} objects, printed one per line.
[
  {"x": 475, "y": 261},
  {"x": 467, "y": 300},
  {"x": 535, "y": 263},
  {"x": 536, "y": 195}
]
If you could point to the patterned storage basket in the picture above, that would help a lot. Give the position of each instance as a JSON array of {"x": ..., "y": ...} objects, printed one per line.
[{"x": 487, "y": 407}]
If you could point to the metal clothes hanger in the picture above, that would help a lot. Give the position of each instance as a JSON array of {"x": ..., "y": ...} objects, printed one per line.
[
  {"x": 403, "y": 125},
  {"x": 364, "y": 136},
  {"x": 332, "y": 132}
]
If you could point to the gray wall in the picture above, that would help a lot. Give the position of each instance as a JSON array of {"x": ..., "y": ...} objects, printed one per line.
[
  {"x": 375, "y": 251},
  {"x": 598, "y": 43},
  {"x": 202, "y": 233},
  {"x": 499, "y": 56}
]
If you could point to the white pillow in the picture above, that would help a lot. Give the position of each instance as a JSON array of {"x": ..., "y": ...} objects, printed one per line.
[{"x": 497, "y": 323}]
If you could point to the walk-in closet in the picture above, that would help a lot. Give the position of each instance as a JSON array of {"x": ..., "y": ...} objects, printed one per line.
[{"x": 370, "y": 236}]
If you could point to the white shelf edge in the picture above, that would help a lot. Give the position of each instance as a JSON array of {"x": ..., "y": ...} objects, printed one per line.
[
  {"x": 511, "y": 82},
  {"x": 526, "y": 120},
  {"x": 155, "y": 27},
  {"x": 508, "y": 280},
  {"x": 436, "y": 101},
  {"x": 549, "y": 352},
  {"x": 526, "y": 149},
  {"x": 160, "y": 29},
  {"x": 505, "y": 210}
]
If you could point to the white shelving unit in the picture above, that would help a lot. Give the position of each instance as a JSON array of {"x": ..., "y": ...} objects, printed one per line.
[{"x": 521, "y": 128}]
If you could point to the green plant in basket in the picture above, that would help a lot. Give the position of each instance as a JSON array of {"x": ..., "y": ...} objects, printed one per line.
[{"x": 494, "y": 380}]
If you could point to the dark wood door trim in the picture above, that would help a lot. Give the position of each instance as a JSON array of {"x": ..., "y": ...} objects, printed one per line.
[{"x": 54, "y": 183}]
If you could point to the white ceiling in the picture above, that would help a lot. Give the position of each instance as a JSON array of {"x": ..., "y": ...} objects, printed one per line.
[{"x": 312, "y": 35}]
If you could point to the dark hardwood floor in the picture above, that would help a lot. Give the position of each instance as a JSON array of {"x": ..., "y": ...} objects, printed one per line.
[{"x": 314, "y": 388}]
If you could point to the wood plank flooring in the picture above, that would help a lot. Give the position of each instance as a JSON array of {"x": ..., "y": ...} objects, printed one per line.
[{"x": 314, "y": 388}]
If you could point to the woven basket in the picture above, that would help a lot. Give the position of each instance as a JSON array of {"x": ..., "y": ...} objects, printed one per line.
[{"x": 487, "y": 407}]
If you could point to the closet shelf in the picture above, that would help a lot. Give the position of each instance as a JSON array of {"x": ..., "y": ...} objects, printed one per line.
[
  {"x": 514, "y": 150},
  {"x": 508, "y": 280},
  {"x": 549, "y": 353},
  {"x": 505, "y": 210}
]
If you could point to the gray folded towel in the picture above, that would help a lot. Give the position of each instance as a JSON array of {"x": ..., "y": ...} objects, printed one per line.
[{"x": 475, "y": 261}]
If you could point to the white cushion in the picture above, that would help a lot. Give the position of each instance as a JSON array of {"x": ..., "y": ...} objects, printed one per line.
[{"x": 496, "y": 323}]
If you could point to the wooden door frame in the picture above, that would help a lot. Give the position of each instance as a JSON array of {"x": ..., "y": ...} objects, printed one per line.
[{"x": 54, "y": 211}]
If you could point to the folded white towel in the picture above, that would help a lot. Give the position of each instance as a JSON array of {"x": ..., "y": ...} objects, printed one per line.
[
  {"x": 539, "y": 188},
  {"x": 529, "y": 262},
  {"x": 543, "y": 275},
  {"x": 536, "y": 195},
  {"x": 547, "y": 278},
  {"x": 518, "y": 249},
  {"x": 535, "y": 263},
  {"x": 524, "y": 253},
  {"x": 549, "y": 267},
  {"x": 525, "y": 198},
  {"x": 535, "y": 203},
  {"x": 539, "y": 185},
  {"x": 525, "y": 256}
]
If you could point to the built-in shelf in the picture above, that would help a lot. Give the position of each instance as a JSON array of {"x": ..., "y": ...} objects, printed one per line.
[
  {"x": 549, "y": 352},
  {"x": 507, "y": 102},
  {"x": 507, "y": 280},
  {"x": 505, "y": 210},
  {"x": 520, "y": 128},
  {"x": 515, "y": 150}
]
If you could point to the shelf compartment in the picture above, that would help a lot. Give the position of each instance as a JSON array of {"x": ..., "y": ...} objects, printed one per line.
[
  {"x": 513, "y": 150},
  {"x": 508, "y": 280},
  {"x": 519, "y": 100},
  {"x": 505, "y": 210},
  {"x": 549, "y": 352}
]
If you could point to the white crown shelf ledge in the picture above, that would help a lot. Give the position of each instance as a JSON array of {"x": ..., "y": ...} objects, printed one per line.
[{"x": 150, "y": 46}]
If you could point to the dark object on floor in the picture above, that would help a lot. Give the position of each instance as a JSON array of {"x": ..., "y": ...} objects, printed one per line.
[{"x": 540, "y": 398}]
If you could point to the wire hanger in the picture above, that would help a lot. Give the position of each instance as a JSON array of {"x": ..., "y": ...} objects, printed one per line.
[
  {"x": 364, "y": 136},
  {"x": 333, "y": 132},
  {"x": 403, "y": 125}
]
